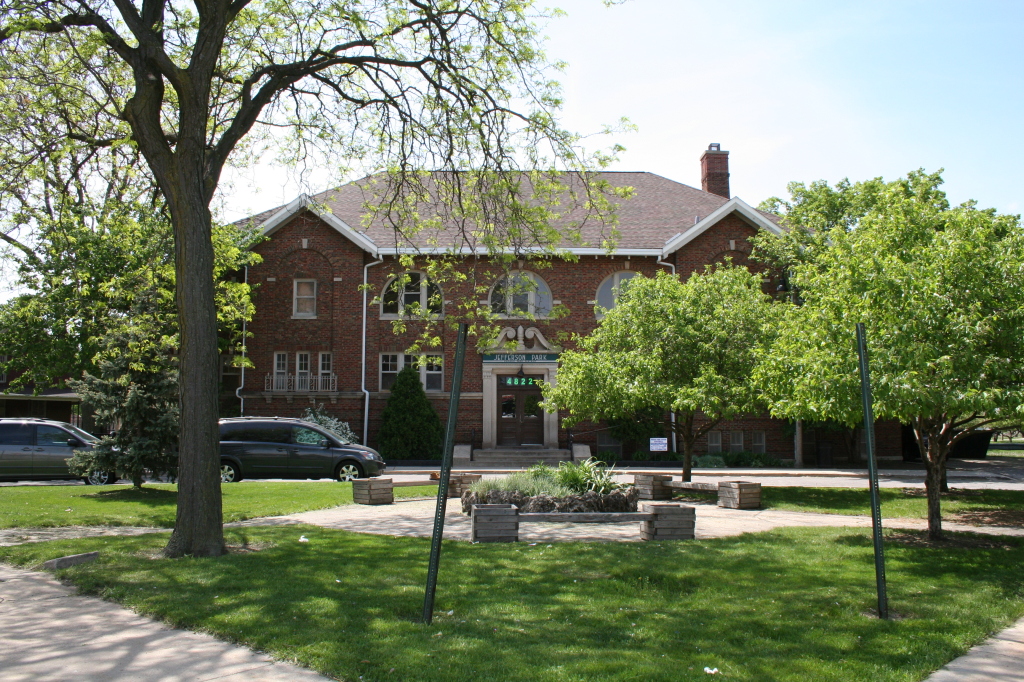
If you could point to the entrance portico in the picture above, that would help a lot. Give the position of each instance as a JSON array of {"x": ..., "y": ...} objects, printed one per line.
[{"x": 511, "y": 392}]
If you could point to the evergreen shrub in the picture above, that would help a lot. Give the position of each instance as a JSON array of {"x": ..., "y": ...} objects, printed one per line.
[{"x": 410, "y": 427}]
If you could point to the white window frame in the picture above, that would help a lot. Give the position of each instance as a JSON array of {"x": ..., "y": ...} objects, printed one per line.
[
  {"x": 280, "y": 370},
  {"x": 302, "y": 376},
  {"x": 714, "y": 442},
  {"x": 509, "y": 312},
  {"x": 328, "y": 370},
  {"x": 425, "y": 284},
  {"x": 758, "y": 442},
  {"x": 424, "y": 369},
  {"x": 736, "y": 441},
  {"x": 296, "y": 315},
  {"x": 616, "y": 281}
]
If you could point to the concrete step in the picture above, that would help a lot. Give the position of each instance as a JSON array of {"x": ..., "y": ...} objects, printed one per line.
[{"x": 520, "y": 457}]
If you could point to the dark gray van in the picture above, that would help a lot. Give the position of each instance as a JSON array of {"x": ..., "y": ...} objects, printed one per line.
[{"x": 267, "y": 447}]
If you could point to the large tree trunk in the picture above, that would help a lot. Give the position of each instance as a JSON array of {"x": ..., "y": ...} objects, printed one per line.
[
  {"x": 684, "y": 433},
  {"x": 198, "y": 529}
]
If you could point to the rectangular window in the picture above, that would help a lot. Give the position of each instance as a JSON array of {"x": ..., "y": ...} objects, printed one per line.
[
  {"x": 3, "y": 369},
  {"x": 326, "y": 364},
  {"x": 714, "y": 441},
  {"x": 757, "y": 442},
  {"x": 304, "y": 298},
  {"x": 736, "y": 441},
  {"x": 302, "y": 371},
  {"x": 388, "y": 370},
  {"x": 280, "y": 371},
  {"x": 431, "y": 372}
]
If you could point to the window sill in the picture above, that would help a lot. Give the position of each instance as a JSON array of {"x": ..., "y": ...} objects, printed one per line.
[
  {"x": 410, "y": 318},
  {"x": 303, "y": 317}
]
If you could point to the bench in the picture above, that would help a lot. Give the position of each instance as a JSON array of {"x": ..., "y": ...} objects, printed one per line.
[
  {"x": 731, "y": 494},
  {"x": 382, "y": 490},
  {"x": 500, "y": 522}
]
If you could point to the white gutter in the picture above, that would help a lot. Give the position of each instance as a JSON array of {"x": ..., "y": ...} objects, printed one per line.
[
  {"x": 672, "y": 415},
  {"x": 366, "y": 393},
  {"x": 241, "y": 382}
]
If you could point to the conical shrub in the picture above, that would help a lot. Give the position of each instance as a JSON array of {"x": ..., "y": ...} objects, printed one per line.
[{"x": 410, "y": 427}]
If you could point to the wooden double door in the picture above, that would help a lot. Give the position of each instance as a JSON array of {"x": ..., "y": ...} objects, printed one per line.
[{"x": 520, "y": 417}]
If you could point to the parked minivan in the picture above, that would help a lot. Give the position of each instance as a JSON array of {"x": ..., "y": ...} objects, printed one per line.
[
  {"x": 272, "y": 447},
  {"x": 38, "y": 450}
]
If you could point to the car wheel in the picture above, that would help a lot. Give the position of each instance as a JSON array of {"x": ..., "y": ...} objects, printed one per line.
[
  {"x": 101, "y": 478},
  {"x": 229, "y": 473},
  {"x": 348, "y": 471}
]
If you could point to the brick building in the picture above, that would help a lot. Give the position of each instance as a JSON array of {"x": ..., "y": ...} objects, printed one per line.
[{"x": 318, "y": 338}]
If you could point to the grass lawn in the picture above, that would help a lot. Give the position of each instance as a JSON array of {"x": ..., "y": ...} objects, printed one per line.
[
  {"x": 792, "y": 604},
  {"x": 47, "y": 506},
  {"x": 998, "y": 507}
]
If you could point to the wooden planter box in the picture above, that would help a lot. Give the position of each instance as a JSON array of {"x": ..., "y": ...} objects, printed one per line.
[
  {"x": 652, "y": 486},
  {"x": 495, "y": 523},
  {"x": 739, "y": 495},
  {"x": 670, "y": 522},
  {"x": 373, "y": 491}
]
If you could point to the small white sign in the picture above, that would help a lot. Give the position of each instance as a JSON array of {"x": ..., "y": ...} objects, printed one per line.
[{"x": 659, "y": 445}]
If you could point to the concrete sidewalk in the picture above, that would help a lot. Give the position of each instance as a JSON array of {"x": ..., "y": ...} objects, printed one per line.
[
  {"x": 48, "y": 632},
  {"x": 998, "y": 659}
]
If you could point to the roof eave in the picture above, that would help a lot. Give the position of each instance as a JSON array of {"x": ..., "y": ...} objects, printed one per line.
[{"x": 734, "y": 205}]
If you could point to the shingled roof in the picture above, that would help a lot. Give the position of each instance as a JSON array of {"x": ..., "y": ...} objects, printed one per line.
[{"x": 660, "y": 215}]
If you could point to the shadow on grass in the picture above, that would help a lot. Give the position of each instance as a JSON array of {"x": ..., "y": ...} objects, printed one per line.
[
  {"x": 153, "y": 497},
  {"x": 789, "y": 604}
]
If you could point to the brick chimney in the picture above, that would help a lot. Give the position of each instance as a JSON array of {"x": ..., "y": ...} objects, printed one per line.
[{"x": 714, "y": 170}]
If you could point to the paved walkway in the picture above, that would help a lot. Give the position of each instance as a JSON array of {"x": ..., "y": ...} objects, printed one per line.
[
  {"x": 998, "y": 659},
  {"x": 48, "y": 632},
  {"x": 414, "y": 518}
]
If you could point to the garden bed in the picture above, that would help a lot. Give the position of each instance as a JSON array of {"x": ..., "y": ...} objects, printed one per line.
[{"x": 573, "y": 487}]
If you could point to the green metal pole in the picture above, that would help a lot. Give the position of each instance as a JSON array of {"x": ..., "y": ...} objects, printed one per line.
[
  {"x": 876, "y": 510},
  {"x": 446, "y": 471}
]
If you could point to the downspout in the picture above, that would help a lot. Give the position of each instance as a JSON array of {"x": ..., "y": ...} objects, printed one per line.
[
  {"x": 241, "y": 382},
  {"x": 672, "y": 415},
  {"x": 366, "y": 393}
]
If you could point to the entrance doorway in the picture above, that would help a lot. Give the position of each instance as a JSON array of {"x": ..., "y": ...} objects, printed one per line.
[{"x": 520, "y": 417}]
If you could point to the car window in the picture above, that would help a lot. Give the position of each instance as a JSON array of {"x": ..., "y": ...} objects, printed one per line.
[
  {"x": 260, "y": 433},
  {"x": 51, "y": 435},
  {"x": 82, "y": 435},
  {"x": 16, "y": 434},
  {"x": 305, "y": 436}
]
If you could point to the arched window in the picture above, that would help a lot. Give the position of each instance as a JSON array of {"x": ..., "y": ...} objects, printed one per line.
[
  {"x": 611, "y": 287},
  {"x": 419, "y": 296},
  {"x": 521, "y": 294}
]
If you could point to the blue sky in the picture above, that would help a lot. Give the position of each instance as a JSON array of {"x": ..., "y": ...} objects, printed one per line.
[{"x": 794, "y": 90}]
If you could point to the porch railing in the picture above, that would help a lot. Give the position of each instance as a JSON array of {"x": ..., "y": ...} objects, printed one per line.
[{"x": 300, "y": 383}]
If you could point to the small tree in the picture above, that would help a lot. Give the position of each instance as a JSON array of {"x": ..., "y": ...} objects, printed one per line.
[
  {"x": 683, "y": 347},
  {"x": 941, "y": 292},
  {"x": 137, "y": 393},
  {"x": 410, "y": 427},
  {"x": 319, "y": 416}
]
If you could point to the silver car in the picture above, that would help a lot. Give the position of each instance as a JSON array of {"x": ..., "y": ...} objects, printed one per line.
[{"x": 38, "y": 450}]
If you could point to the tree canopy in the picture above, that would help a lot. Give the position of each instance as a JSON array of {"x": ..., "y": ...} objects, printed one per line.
[
  {"x": 941, "y": 292},
  {"x": 461, "y": 86},
  {"x": 683, "y": 347}
]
